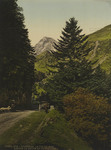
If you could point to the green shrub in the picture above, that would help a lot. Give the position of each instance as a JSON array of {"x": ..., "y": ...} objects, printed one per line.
[{"x": 89, "y": 116}]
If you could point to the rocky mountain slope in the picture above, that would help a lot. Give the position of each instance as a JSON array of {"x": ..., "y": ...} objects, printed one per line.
[
  {"x": 45, "y": 44},
  {"x": 44, "y": 56}
]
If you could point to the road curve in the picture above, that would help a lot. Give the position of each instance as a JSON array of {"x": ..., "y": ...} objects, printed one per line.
[{"x": 7, "y": 120}]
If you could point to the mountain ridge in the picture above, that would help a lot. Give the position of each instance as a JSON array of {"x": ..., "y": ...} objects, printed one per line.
[{"x": 101, "y": 34}]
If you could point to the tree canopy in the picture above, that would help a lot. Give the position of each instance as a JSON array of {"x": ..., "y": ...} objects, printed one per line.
[{"x": 16, "y": 54}]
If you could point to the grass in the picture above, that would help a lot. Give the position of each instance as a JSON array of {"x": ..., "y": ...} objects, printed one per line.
[
  {"x": 101, "y": 35},
  {"x": 41, "y": 128}
]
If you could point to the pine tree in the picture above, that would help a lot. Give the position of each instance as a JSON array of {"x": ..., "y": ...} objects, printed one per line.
[
  {"x": 72, "y": 68},
  {"x": 72, "y": 45},
  {"x": 16, "y": 54}
]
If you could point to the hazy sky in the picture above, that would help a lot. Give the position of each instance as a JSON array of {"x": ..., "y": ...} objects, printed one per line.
[{"x": 48, "y": 17}]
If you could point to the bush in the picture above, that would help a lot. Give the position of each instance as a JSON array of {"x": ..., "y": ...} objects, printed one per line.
[{"x": 89, "y": 115}]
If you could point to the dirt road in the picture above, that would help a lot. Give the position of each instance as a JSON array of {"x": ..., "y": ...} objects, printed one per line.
[{"x": 7, "y": 120}]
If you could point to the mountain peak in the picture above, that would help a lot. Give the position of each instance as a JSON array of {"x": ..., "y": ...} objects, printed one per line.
[
  {"x": 46, "y": 38},
  {"x": 45, "y": 44}
]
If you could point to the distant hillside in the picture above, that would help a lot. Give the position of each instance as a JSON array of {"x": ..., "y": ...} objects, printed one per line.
[
  {"x": 101, "y": 35},
  {"x": 100, "y": 43},
  {"x": 45, "y": 44},
  {"x": 43, "y": 60}
]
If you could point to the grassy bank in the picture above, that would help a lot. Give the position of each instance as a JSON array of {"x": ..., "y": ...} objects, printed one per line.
[{"x": 41, "y": 128}]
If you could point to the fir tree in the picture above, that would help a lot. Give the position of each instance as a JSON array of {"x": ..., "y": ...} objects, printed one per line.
[
  {"x": 16, "y": 54},
  {"x": 72, "y": 68},
  {"x": 72, "y": 45}
]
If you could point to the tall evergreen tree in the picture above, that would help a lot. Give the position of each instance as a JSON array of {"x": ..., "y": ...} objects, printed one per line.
[
  {"x": 73, "y": 69},
  {"x": 72, "y": 45},
  {"x": 16, "y": 54}
]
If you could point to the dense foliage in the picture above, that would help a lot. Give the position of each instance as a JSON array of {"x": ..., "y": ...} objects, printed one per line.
[
  {"x": 100, "y": 83},
  {"x": 89, "y": 115},
  {"x": 16, "y": 56}
]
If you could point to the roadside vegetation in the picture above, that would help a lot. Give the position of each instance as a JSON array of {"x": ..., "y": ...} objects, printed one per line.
[{"x": 44, "y": 129}]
